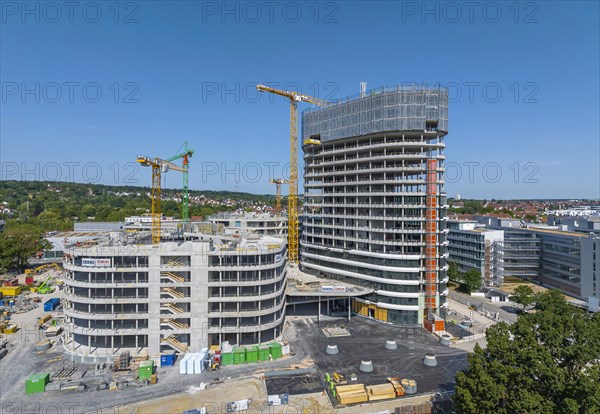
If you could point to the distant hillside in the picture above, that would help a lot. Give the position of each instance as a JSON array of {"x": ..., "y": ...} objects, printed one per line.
[{"x": 55, "y": 205}]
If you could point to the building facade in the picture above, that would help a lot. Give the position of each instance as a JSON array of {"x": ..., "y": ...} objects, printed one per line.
[
  {"x": 473, "y": 247},
  {"x": 374, "y": 203},
  {"x": 590, "y": 271},
  {"x": 549, "y": 256},
  {"x": 182, "y": 296},
  {"x": 257, "y": 223}
]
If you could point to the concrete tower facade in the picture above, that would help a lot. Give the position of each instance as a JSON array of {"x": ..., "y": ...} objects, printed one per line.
[{"x": 374, "y": 202}]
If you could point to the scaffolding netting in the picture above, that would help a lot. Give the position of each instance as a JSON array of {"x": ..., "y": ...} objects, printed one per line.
[{"x": 399, "y": 108}]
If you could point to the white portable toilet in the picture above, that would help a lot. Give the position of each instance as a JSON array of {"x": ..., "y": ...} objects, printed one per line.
[
  {"x": 190, "y": 364},
  {"x": 198, "y": 362},
  {"x": 183, "y": 364}
]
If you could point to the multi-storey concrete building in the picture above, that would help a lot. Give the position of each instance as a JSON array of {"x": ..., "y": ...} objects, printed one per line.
[
  {"x": 473, "y": 247},
  {"x": 584, "y": 224},
  {"x": 257, "y": 223},
  {"x": 590, "y": 271},
  {"x": 184, "y": 296},
  {"x": 374, "y": 203},
  {"x": 554, "y": 258}
]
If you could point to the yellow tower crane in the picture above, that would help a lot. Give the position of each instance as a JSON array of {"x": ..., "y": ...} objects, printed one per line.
[
  {"x": 159, "y": 166},
  {"x": 278, "y": 182},
  {"x": 294, "y": 98}
]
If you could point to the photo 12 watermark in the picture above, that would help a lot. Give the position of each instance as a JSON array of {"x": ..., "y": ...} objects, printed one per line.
[
  {"x": 70, "y": 12},
  {"x": 67, "y": 407},
  {"x": 491, "y": 172},
  {"x": 237, "y": 92},
  {"x": 251, "y": 12},
  {"x": 71, "y": 171},
  {"x": 518, "y": 12},
  {"x": 69, "y": 92}
]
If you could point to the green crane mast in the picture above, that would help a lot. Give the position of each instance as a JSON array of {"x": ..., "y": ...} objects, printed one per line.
[{"x": 186, "y": 155}]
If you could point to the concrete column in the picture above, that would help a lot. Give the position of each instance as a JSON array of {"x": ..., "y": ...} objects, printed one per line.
[
  {"x": 349, "y": 308},
  {"x": 199, "y": 297},
  {"x": 319, "y": 312},
  {"x": 153, "y": 303}
]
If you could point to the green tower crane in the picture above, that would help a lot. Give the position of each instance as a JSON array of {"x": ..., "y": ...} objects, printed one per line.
[{"x": 186, "y": 155}]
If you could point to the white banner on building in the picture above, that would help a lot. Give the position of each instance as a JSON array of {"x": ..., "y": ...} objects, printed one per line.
[{"x": 95, "y": 262}]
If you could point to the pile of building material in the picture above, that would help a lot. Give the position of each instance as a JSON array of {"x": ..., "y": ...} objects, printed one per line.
[
  {"x": 64, "y": 372},
  {"x": 121, "y": 363},
  {"x": 398, "y": 388},
  {"x": 46, "y": 318},
  {"x": 351, "y": 394},
  {"x": 335, "y": 331},
  {"x": 409, "y": 385},
  {"x": 381, "y": 392}
]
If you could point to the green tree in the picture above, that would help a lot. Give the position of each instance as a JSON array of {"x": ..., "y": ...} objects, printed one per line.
[
  {"x": 471, "y": 280},
  {"x": 453, "y": 272},
  {"x": 546, "y": 362},
  {"x": 523, "y": 295},
  {"x": 87, "y": 211},
  {"x": 18, "y": 243}
]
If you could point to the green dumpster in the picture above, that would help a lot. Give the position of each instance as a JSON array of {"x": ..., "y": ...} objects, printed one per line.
[
  {"x": 239, "y": 355},
  {"x": 263, "y": 353},
  {"x": 251, "y": 354},
  {"x": 36, "y": 383},
  {"x": 146, "y": 369},
  {"x": 275, "y": 350},
  {"x": 227, "y": 358}
]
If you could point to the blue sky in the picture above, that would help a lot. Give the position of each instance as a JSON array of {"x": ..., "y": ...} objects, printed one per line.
[{"x": 107, "y": 83}]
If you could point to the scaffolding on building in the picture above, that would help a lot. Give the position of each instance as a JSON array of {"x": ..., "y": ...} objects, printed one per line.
[
  {"x": 399, "y": 108},
  {"x": 431, "y": 238}
]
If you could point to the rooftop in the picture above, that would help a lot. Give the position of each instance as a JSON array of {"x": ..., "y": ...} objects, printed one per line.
[{"x": 397, "y": 108}]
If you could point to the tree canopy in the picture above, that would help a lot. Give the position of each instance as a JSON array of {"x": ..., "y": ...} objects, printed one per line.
[
  {"x": 523, "y": 295},
  {"x": 546, "y": 362},
  {"x": 18, "y": 243},
  {"x": 56, "y": 205},
  {"x": 471, "y": 279},
  {"x": 453, "y": 272}
]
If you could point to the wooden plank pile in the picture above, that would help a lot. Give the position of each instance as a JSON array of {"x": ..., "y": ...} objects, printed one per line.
[
  {"x": 351, "y": 394},
  {"x": 381, "y": 392}
]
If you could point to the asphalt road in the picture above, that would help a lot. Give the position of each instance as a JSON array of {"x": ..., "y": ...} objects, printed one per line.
[{"x": 484, "y": 304}]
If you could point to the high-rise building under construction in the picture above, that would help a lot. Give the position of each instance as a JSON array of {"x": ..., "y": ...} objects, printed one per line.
[{"x": 374, "y": 201}]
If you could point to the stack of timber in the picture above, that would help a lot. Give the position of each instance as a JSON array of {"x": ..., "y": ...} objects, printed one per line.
[
  {"x": 381, "y": 392},
  {"x": 351, "y": 394}
]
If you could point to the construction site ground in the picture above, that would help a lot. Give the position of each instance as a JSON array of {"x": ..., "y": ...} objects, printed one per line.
[
  {"x": 234, "y": 382},
  {"x": 367, "y": 342}
]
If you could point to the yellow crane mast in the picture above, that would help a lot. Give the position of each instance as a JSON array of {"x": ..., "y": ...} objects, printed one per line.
[
  {"x": 278, "y": 182},
  {"x": 294, "y": 98},
  {"x": 159, "y": 166}
]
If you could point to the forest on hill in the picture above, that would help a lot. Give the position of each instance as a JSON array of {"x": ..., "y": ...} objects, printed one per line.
[{"x": 56, "y": 205}]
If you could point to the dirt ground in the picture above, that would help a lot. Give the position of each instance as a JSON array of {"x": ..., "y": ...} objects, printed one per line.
[
  {"x": 215, "y": 397},
  {"x": 510, "y": 284}
]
